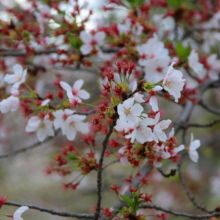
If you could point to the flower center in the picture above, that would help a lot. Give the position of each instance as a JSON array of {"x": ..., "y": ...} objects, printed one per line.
[{"x": 74, "y": 92}]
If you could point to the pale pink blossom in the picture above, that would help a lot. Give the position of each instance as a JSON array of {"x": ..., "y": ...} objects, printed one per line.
[
  {"x": 73, "y": 124},
  {"x": 153, "y": 99},
  {"x": 141, "y": 132},
  {"x": 90, "y": 41},
  {"x": 137, "y": 96},
  {"x": 60, "y": 118},
  {"x": 123, "y": 126},
  {"x": 177, "y": 150},
  {"x": 17, "y": 78},
  {"x": 9, "y": 104},
  {"x": 173, "y": 82},
  {"x": 18, "y": 213},
  {"x": 75, "y": 93},
  {"x": 129, "y": 112},
  {"x": 45, "y": 102},
  {"x": 158, "y": 133},
  {"x": 195, "y": 65},
  {"x": 123, "y": 158},
  {"x": 161, "y": 151},
  {"x": 43, "y": 127},
  {"x": 214, "y": 65},
  {"x": 194, "y": 144}
]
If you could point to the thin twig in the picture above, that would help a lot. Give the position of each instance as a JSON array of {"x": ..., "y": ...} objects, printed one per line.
[
  {"x": 85, "y": 113},
  {"x": 112, "y": 162},
  {"x": 147, "y": 206},
  {"x": 191, "y": 197},
  {"x": 51, "y": 211},
  {"x": 38, "y": 144},
  {"x": 99, "y": 175},
  {"x": 209, "y": 108},
  {"x": 167, "y": 175},
  {"x": 23, "y": 53},
  {"x": 210, "y": 124}
]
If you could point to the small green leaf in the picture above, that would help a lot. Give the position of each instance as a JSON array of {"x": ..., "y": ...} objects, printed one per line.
[
  {"x": 141, "y": 201},
  {"x": 175, "y": 3},
  {"x": 128, "y": 200},
  {"x": 75, "y": 42},
  {"x": 182, "y": 51},
  {"x": 72, "y": 157}
]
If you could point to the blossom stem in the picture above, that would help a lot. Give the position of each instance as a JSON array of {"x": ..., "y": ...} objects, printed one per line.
[
  {"x": 89, "y": 105},
  {"x": 28, "y": 87}
]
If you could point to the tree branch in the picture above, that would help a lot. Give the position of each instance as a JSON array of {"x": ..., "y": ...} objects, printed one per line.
[
  {"x": 99, "y": 175},
  {"x": 51, "y": 211},
  {"x": 210, "y": 124},
  {"x": 191, "y": 197},
  {"x": 147, "y": 206},
  {"x": 38, "y": 144}
]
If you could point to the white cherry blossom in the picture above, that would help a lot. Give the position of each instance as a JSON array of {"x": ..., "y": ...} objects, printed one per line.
[
  {"x": 214, "y": 67},
  {"x": 18, "y": 213},
  {"x": 153, "y": 99},
  {"x": 129, "y": 112},
  {"x": 194, "y": 144},
  {"x": 9, "y": 104},
  {"x": 177, "y": 150},
  {"x": 43, "y": 127},
  {"x": 90, "y": 41},
  {"x": 123, "y": 126},
  {"x": 141, "y": 132},
  {"x": 123, "y": 158},
  {"x": 73, "y": 124},
  {"x": 158, "y": 133},
  {"x": 76, "y": 92},
  {"x": 161, "y": 151},
  {"x": 195, "y": 65},
  {"x": 17, "y": 78},
  {"x": 137, "y": 96},
  {"x": 60, "y": 118},
  {"x": 173, "y": 82}
]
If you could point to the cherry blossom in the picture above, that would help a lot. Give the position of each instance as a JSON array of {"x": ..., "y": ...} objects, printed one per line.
[
  {"x": 123, "y": 158},
  {"x": 141, "y": 132},
  {"x": 137, "y": 96},
  {"x": 195, "y": 65},
  {"x": 177, "y": 150},
  {"x": 214, "y": 66},
  {"x": 9, "y": 104},
  {"x": 60, "y": 118},
  {"x": 43, "y": 127},
  {"x": 91, "y": 41},
  {"x": 158, "y": 133},
  {"x": 73, "y": 124},
  {"x": 17, "y": 78},
  {"x": 129, "y": 112},
  {"x": 18, "y": 213},
  {"x": 45, "y": 102},
  {"x": 75, "y": 93},
  {"x": 173, "y": 82},
  {"x": 123, "y": 126},
  {"x": 161, "y": 151},
  {"x": 194, "y": 144},
  {"x": 153, "y": 99},
  {"x": 154, "y": 57}
]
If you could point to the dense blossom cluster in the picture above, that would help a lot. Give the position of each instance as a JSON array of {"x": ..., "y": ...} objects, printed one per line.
[{"x": 137, "y": 62}]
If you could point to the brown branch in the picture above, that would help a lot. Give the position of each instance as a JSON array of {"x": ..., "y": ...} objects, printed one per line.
[
  {"x": 38, "y": 144},
  {"x": 99, "y": 175},
  {"x": 51, "y": 211},
  {"x": 171, "y": 173},
  {"x": 85, "y": 113},
  {"x": 209, "y": 108},
  {"x": 210, "y": 124},
  {"x": 191, "y": 197},
  {"x": 23, "y": 53},
  {"x": 112, "y": 162},
  {"x": 147, "y": 206}
]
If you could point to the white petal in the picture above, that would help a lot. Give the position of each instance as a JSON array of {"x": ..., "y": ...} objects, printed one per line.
[
  {"x": 194, "y": 156},
  {"x": 41, "y": 134},
  {"x": 18, "y": 69},
  {"x": 99, "y": 37},
  {"x": 19, "y": 211},
  {"x": 68, "y": 89},
  {"x": 78, "y": 84},
  {"x": 82, "y": 127},
  {"x": 154, "y": 104},
  {"x": 83, "y": 94},
  {"x": 86, "y": 49},
  {"x": 134, "y": 86},
  {"x": 10, "y": 78},
  {"x": 86, "y": 37}
]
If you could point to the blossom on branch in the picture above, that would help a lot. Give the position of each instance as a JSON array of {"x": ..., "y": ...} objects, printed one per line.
[
  {"x": 9, "y": 104},
  {"x": 17, "y": 78},
  {"x": 194, "y": 144},
  {"x": 75, "y": 93},
  {"x": 173, "y": 82}
]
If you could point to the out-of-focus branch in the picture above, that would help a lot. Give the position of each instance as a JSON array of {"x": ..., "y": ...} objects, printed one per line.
[
  {"x": 210, "y": 124},
  {"x": 23, "y": 53},
  {"x": 112, "y": 162},
  {"x": 167, "y": 175},
  {"x": 51, "y": 211},
  {"x": 85, "y": 113},
  {"x": 191, "y": 197},
  {"x": 147, "y": 206},
  {"x": 100, "y": 168},
  {"x": 209, "y": 108},
  {"x": 38, "y": 144}
]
